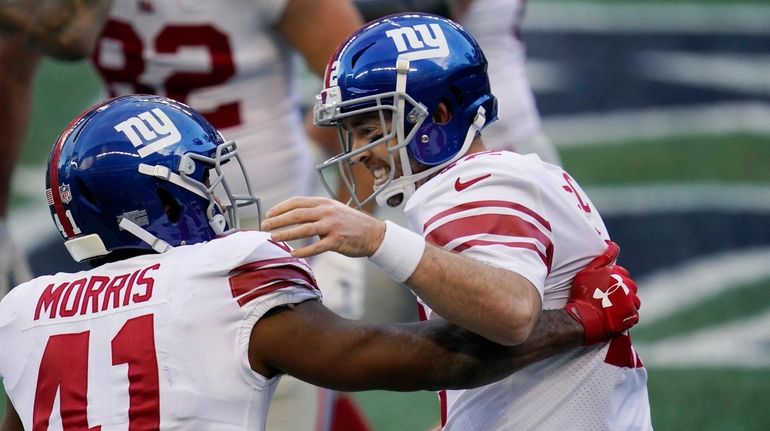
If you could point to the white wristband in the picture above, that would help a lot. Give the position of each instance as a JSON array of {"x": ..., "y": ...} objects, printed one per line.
[{"x": 400, "y": 252}]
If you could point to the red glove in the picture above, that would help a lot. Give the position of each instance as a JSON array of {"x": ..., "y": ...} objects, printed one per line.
[{"x": 603, "y": 298}]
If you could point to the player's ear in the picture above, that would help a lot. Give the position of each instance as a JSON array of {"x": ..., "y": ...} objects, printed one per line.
[{"x": 442, "y": 114}]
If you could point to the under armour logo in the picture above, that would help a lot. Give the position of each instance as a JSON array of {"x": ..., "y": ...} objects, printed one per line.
[
  {"x": 605, "y": 296},
  {"x": 150, "y": 130},
  {"x": 421, "y": 41}
]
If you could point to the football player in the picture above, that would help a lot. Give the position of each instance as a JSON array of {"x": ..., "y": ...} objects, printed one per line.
[
  {"x": 234, "y": 61},
  {"x": 410, "y": 95},
  {"x": 187, "y": 322}
]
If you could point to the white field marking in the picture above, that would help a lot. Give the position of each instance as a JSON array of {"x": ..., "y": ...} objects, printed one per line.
[
  {"x": 666, "y": 292},
  {"x": 738, "y": 343},
  {"x": 740, "y": 73},
  {"x": 656, "y": 123},
  {"x": 647, "y": 17},
  {"x": 657, "y": 198}
]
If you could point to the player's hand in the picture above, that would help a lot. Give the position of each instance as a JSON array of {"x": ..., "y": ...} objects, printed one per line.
[
  {"x": 603, "y": 298},
  {"x": 339, "y": 227}
]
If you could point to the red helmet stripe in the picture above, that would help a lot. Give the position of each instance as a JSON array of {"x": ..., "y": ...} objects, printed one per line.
[
  {"x": 53, "y": 168},
  {"x": 53, "y": 175}
]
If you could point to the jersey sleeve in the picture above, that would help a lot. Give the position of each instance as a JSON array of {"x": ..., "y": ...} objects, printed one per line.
[
  {"x": 498, "y": 219},
  {"x": 265, "y": 275}
]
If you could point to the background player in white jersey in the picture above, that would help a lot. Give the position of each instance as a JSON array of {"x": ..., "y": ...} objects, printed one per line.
[
  {"x": 411, "y": 94},
  {"x": 496, "y": 26},
  {"x": 232, "y": 60},
  {"x": 186, "y": 322}
]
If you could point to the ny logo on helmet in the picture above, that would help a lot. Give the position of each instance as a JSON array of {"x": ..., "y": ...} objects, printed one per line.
[
  {"x": 605, "y": 296},
  {"x": 420, "y": 41},
  {"x": 150, "y": 130}
]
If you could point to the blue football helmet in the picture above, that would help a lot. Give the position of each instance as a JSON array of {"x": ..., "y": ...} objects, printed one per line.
[
  {"x": 402, "y": 66},
  {"x": 141, "y": 172}
]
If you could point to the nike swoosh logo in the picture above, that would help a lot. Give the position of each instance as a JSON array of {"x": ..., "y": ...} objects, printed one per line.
[{"x": 460, "y": 186}]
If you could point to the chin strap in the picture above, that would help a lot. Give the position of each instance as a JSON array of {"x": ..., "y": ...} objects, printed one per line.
[{"x": 156, "y": 243}]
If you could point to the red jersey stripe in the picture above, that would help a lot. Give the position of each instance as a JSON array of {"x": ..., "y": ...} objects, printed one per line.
[
  {"x": 256, "y": 279},
  {"x": 488, "y": 203},
  {"x": 443, "y": 403},
  {"x": 421, "y": 313},
  {"x": 547, "y": 258},
  {"x": 621, "y": 353},
  {"x": 492, "y": 224},
  {"x": 246, "y": 281}
]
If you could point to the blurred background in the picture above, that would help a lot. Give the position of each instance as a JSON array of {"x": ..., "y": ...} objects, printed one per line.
[{"x": 662, "y": 112}]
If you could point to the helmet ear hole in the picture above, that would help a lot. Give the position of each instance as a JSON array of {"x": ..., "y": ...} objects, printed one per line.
[
  {"x": 170, "y": 205},
  {"x": 443, "y": 113},
  {"x": 453, "y": 98}
]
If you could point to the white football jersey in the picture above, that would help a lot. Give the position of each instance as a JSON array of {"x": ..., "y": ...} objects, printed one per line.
[
  {"x": 155, "y": 341},
  {"x": 519, "y": 213},
  {"x": 226, "y": 60}
]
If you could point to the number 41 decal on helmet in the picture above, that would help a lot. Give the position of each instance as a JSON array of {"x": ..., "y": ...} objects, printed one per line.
[{"x": 66, "y": 196}]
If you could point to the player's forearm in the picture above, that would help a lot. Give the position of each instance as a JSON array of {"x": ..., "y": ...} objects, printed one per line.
[
  {"x": 17, "y": 70},
  {"x": 495, "y": 303},
  {"x": 310, "y": 342},
  {"x": 555, "y": 333},
  {"x": 65, "y": 29},
  {"x": 316, "y": 27},
  {"x": 463, "y": 359},
  {"x": 436, "y": 355}
]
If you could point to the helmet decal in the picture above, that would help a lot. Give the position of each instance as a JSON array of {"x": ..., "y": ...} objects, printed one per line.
[
  {"x": 150, "y": 131},
  {"x": 419, "y": 42}
]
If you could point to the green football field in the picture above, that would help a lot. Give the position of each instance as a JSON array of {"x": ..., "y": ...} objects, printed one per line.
[{"x": 682, "y": 398}]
